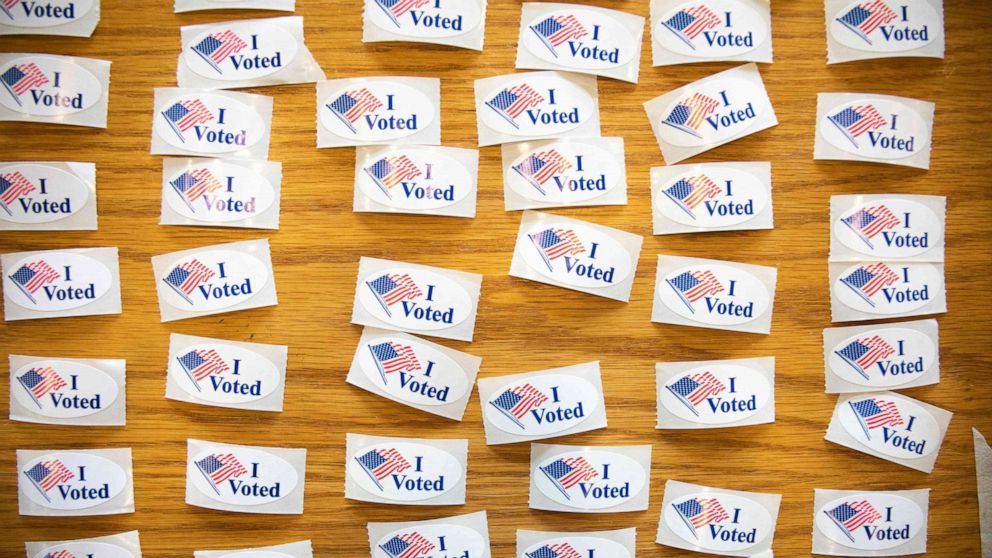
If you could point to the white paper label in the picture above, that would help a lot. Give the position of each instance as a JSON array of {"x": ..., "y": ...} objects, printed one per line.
[
  {"x": 870, "y": 521},
  {"x": 48, "y": 86},
  {"x": 880, "y": 26},
  {"x": 590, "y": 480},
  {"x": 565, "y": 173},
  {"x": 718, "y": 522},
  {"x": 217, "y": 192},
  {"x": 876, "y": 128},
  {"x": 242, "y": 476},
  {"x": 880, "y": 288},
  {"x": 376, "y": 111},
  {"x": 64, "y": 389},
  {"x": 712, "y": 112},
  {"x": 714, "y": 29},
  {"x": 577, "y": 255},
  {"x": 576, "y": 546},
  {"x": 891, "y": 425},
  {"x": 240, "y": 51},
  {"x": 35, "y": 193},
  {"x": 414, "y": 299},
  {"x": 425, "y": 19},
  {"x": 415, "y": 179},
  {"x": 72, "y": 481},
  {"x": 883, "y": 358},
  {"x": 412, "y": 371},
  {"x": 87, "y": 549},
  {"x": 208, "y": 123},
  {"x": 579, "y": 39},
  {"x": 257, "y": 554},
  {"x": 431, "y": 541},
  {"x": 28, "y": 14},
  {"x": 542, "y": 405},
  {"x": 405, "y": 471},
  {"x": 718, "y": 197},
  {"x": 212, "y": 280},
  {"x": 537, "y": 105},
  {"x": 890, "y": 228},
  {"x": 57, "y": 281},
  {"x": 715, "y": 394},
  {"x": 714, "y": 294},
  {"x": 224, "y": 374}
]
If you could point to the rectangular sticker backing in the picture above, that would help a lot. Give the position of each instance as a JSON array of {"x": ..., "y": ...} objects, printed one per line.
[
  {"x": 711, "y": 197},
  {"x": 75, "y": 482},
  {"x": 590, "y": 479},
  {"x": 128, "y": 543},
  {"x": 47, "y": 196},
  {"x": 211, "y": 123},
  {"x": 884, "y": 29},
  {"x": 620, "y": 542},
  {"x": 686, "y": 33},
  {"x": 459, "y": 24},
  {"x": 405, "y": 471},
  {"x": 221, "y": 193},
  {"x": 887, "y": 226},
  {"x": 418, "y": 179},
  {"x": 300, "y": 549},
  {"x": 70, "y": 391},
  {"x": 379, "y": 110},
  {"x": 67, "y": 18},
  {"x": 200, "y": 5},
  {"x": 881, "y": 356},
  {"x": 870, "y": 523},
  {"x": 53, "y": 89},
  {"x": 464, "y": 536},
  {"x": 716, "y": 393},
  {"x": 878, "y": 290}
]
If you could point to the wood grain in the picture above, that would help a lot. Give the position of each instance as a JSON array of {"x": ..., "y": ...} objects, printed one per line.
[{"x": 522, "y": 325}]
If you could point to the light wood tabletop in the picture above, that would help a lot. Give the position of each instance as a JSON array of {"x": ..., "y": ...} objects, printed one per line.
[{"x": 522, "y": 325}]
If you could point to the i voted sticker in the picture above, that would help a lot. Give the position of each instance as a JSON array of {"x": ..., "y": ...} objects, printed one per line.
[
  {"x": 57, "y": 281},
  {"x": 240, "y": 51},
  {"x": 84, "y": 548},
  {"x": 208, "y": 123},
  {"x": 242, "y": 476},
  {"x": 415, "y": 179},
  {"x": 376, "y": 110},
  {"x": 71, "y": 481},
  {"x": 64, "y": 389},
  {"x": 412, "y": 371},
  {"x": 566, "y": 173},
  {"x": 590, "y": 479},
  {"x": 431, "y": 540},
  {"x": 224, "y": 374},
  {"x": 579, "y": 38},
  {"x": 890, "y": 228},
  {"x": 716, "y": 394},
  {"x": 883, "y": 358},
  {"x": 884, "y": 26},
  {"x": 882, "y": 288},
  {"x": 712, "y": 29},
  {"x": 714, "y": 294},
  {"x": 577, "y": 545},
  {"x": 876, "y": 128},
  {"x": 711, "y": 113},
  {"x": 870, "y": 521},
  {"x": 542, "y": 405},
  {"x": 577, "y": 255},
  {"x": 48, "y": 86},
  {"x": 414, "y": 299},
  {"x": 542, "y": 104},
  {"x": 213, "y": 280},
  {"x": 218, "y": 192},
  {"x": 712, "y": 197},
  {"x": 404, "y": 471},
  {"x": 33, "y": 193},
  {"x": 425, "y": 19},
  {"x": 36, "y": 15},
  {"x": 891, "y": 425},
  {"x": 718, "y": 522}
]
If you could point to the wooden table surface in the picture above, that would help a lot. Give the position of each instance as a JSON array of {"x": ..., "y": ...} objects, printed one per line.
[{"x": 522, "y": 325}]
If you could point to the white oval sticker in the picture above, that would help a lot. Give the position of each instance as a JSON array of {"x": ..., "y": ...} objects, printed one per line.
[
  {"x": 426, "y": 541},
  {"x": 84, "y": 549},
  {"x": 565, "y": 173},
  {"x": 64, "y": 389},
  {"x": 589, "y": 480},
  {"x": 542, "y": 405},
  {"x": 405, "y": 472},
  {"x": 889, "y": 228},
  {"x": 885, "y": 26},
  {"x": 576, "y": 546},
  {"x": 576, "y": 255},
  {"x": 72, "y": 481},
  {"x": 870, "y": 521},
  {"x": 876, "y": 128},
  {"x": 415, "y": 178},
  {"x": 213, "y": 280},
  {"x": 537, "y": 106},
  {"x": 720, "y": 522},
  {"x": 32, "y": 193},
  {"x": 224, "y": 374},
  {"x": 48, "y": 86},
  {"x": 209, "y": 124},
  {"x": 880, "y": 288},
  {"x": 716, "y": 394},
  {"x": 243, "y": 476},
  {"x": 428, "y": 20},
  {"x": 580, "y": 39},
  {"x": 714, "y": 294},
  {"x": 883, "y": 358},
  {"x": 240, "y": 51},
  {"x": 714, "y": 29},
  {"x": 414, "y": 299},
  {"x": 712, "y": 113},
  {"x": 50, "y": 14},
  {"x": 56, "y": 281},
  {"x": 376, "y": 111},
  {"x": 718, "y": 197},
  {"x": 218, "y": 192},
  {"x": 412, "y": 371},
  {"x": 891, "y": 425}
]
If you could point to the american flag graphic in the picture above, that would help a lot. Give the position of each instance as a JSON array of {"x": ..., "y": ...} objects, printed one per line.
[
  {"x": 60, "y": 554},
  {"x": 688, "y": 23},
  {"x": 7, "y": 5},
  {"x": 511, "y": 103},
  {"x": 538, "y": 168},
  {"x": 691, "y": 286},
  {"x": 219, "y": 467},
  {"x": 390, "y": 171},
  {"x": 352, "y": 105},
  {"x": 516, "y": 402},
  {"x": 46, "y": 475},
  {"x": 851, "y": 516},
  {"x": 566, "y": 473},
  {"x": 39, "y": 382},
  {"x": 867, "y": 280},
  {"x": 869, "y": 222},
  {"x": 392, "y": 357},
  {"x": 13, "y": 186},
  {"x": 688, "y": 193},
  {"x": 876, "y": 412},
  {"x": 31, "y": 277},
  {"x": 390, "y": 289},
  {"x": 690, "y": 112},
  {"x": 183, "y": 115},
  {"x": 693, "y": 389},
  {"x": 561, "y": 550},
  {"x": 215, "y": 48},
  {"x": 187, "y": 276},
  {"x": 192, "y": 184},
  {"x": 395, "y": 9},
  {"x": 380, "y": 463},
  {"x": 864, "y": 19},
  {"x": 408, "y": 545},
  {"x": 199, "y": 364},
  {"x": 855, "y": 121},
  {"x": 556, "y": 243},
  {"x": 555, "y": 31},
  {"x": 698, "y": 513},
  {"x": 862, "y": 354},
  {"x": 21, "y": 78}
]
